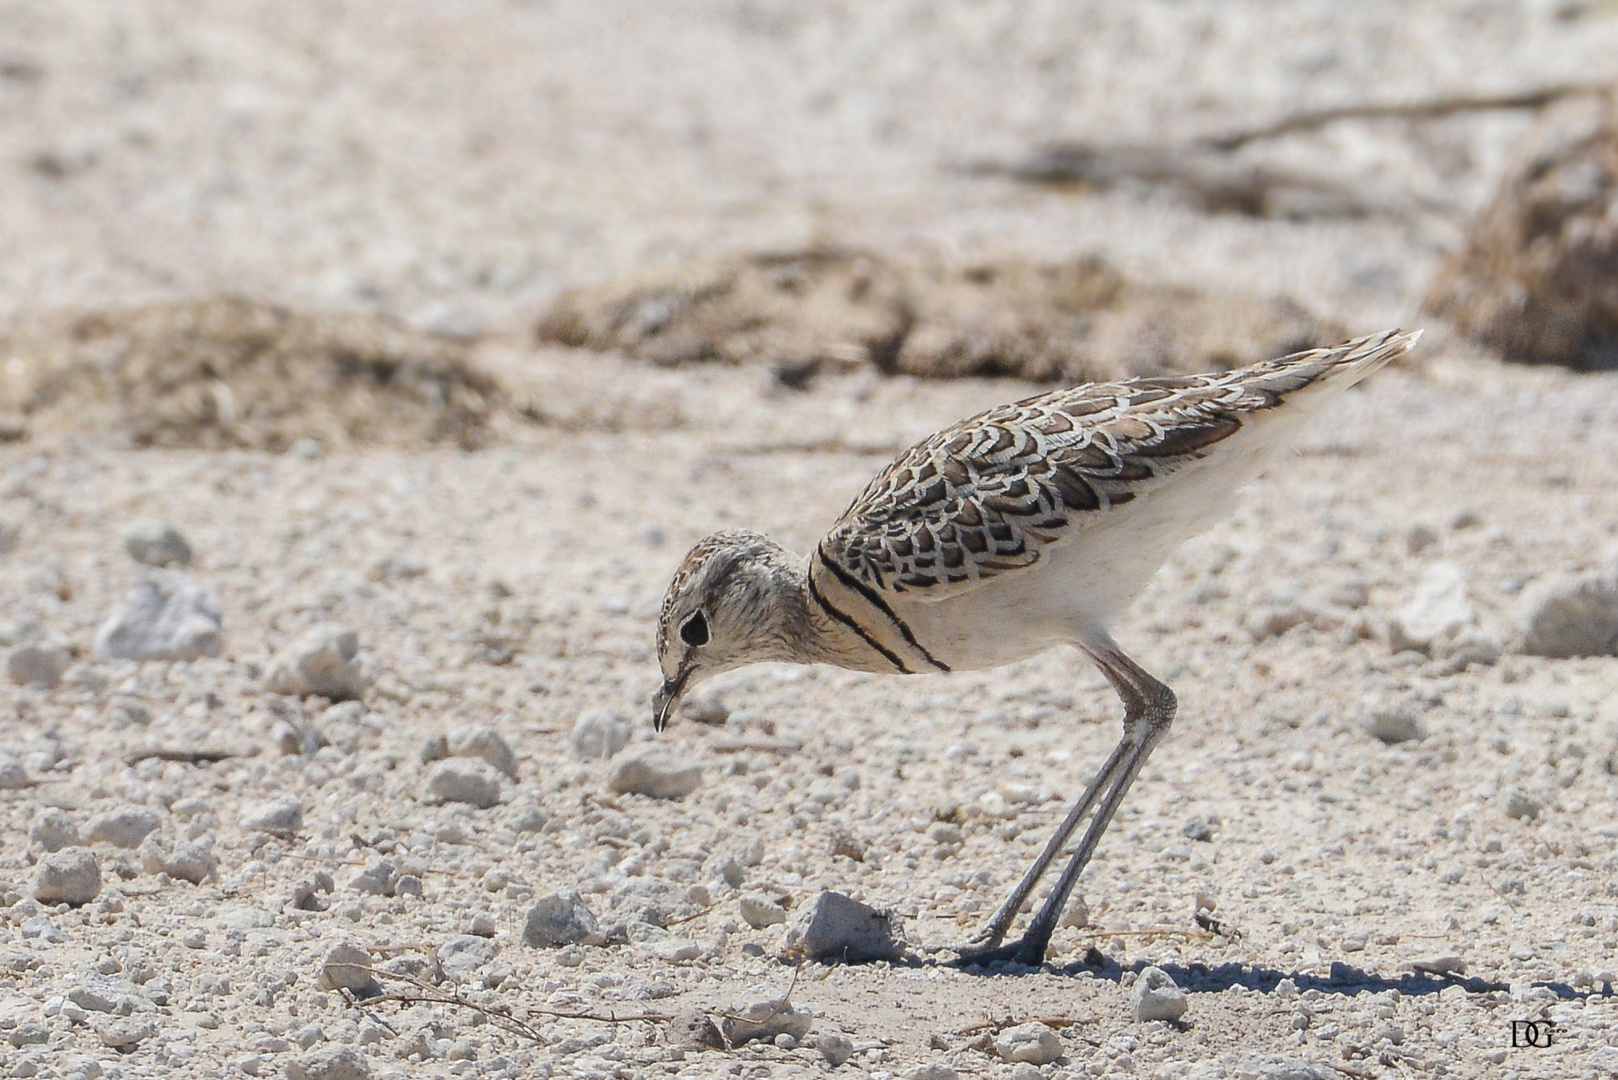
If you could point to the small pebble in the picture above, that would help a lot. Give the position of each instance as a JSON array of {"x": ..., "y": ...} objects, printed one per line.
[
  {"x": 282, "y": 816},
  {"x": 464, "y": 780},
  {"x": 560, "y": 919},
  {"x": 1034, "y": 1043},
  {"x": 597, "y": 736},
  {"x": 346, "y": 967},
  {"x": 1156, "y": 997},
  {"x": 156, "y": 543},
  {"x": 759, "y": 911},
  {"x": 322, "y": 660},
  {"x": 836, "y": 1049},
  {"x": 124, "y": 828},
  {"x": 477, "y": 741},
  {"x": 836, "y": 927},
  {"x": 654, "y": 771},
  {"x": 37, "y": 664},
  {"x": 165, "y": 617},
  {"x": 53, "y": 830}
]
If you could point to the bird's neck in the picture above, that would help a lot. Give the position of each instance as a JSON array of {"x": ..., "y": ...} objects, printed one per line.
[{"x": 817, "y": 637}]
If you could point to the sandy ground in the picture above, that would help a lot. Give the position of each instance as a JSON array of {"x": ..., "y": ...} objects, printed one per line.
[{"x": 456, "y": 168}]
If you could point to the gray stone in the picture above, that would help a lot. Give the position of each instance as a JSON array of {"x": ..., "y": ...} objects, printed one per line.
[
  {"x": 705, "y": 707},
  {"x": 597, "y": 736},
  {"x": 477, "y": 741},
  {"x": 1564, "y": 614},
  {"x": 189, "y": 860},
  {"x": 126, "y": 1032},
  {"x": 407, "y": 885},
  {"x": 313, "y": 893},
  {"x": 13, "y": 777},
  {"x": 654, "y": 771},
  {"x": 1515, "y": 803},
  {"x": 165, "y": 617},
  {"x": 338, "y": 1062},
  {"x": 69, "y": 876},
  {"x": 836, "y": 927},
  {"x": 346, "y": 967},
  {"x": 836, "y": 1049},
  {"x": 322, "y": 660},
  {"x": 1155, "y": 997},
  {"x": 560, "y": 919},
  {"x": 464, "y": 780},
  {"x": 378, "y": 879},
  {"x": 1437, "y": 611},
  {"x": 124, "y": 710},
  {"x": 1034, "y": 1043},
  {"x": 281, "y": 816},
  {"x": 759, "y": 911},
  {"x": 53, "y": 830},
  {"x": 461, "y": 956},
  {"x": 156, "y": 543},
  {"x": 38, "y": 664},
  {"x": 125, "y": 827},
  {"x": 1076, "y": 915},
  {"x": 1395, "y": 722},
  {"x": 765, "y": 1020},
  {"x": 1295, "y": 1069}
]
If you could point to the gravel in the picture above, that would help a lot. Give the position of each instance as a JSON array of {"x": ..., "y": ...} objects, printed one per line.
[
  {"x": 765, "y": 1019},
  {"x": 463, "y": 956},
  {"x": 166, "y": 616},
  {"x": 837, "y": 927},
  {"x": 69, "y": 876},
  {"x": 835, "y": 1048},
  {"x": 1437, "y": 612},
  {"x": 186, "y": 860},
  {"x": 1155, "y": 996},
  {"x": 597, "y": 736},
  {"x": 464, "y": 780},
  {"x": 156, "y": 543},
  {"x": 759, "y": 911},
  {"x": 653, "y": 771},
  {"x": 378, "y": 879},
  {"x": 1395, "y": 722},
  {"x": 124, "y": 1033}
]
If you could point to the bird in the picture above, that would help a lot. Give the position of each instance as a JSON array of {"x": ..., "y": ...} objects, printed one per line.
[{"x": 1028, "y": 526}]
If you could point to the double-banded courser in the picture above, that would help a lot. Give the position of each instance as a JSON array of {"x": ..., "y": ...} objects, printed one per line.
[{"x": 1027, "y": 526}]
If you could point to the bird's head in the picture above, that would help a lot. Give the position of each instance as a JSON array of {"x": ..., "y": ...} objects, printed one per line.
[{"x": 730, "y": 604}]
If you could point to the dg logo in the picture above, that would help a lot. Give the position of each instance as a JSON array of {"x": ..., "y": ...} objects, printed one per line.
[{"x": 1532, "y": 1032}]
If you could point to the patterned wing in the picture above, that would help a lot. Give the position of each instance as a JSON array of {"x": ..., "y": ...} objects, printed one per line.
[{"x": 989, "y": 494}]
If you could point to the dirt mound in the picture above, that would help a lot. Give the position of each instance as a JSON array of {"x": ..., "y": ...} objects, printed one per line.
[
  {"x": 226, "y": 372},
  {"x": 1535, "y": 279},
  {"x": 832, "y": 309}
]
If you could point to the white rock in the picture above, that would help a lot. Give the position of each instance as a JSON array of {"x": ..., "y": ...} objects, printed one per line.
[
  {"x": 156, "y": 543},
  {"x": 124, "y": 1033},
  {"x": 477, "y": 741},
  {"x": 464, "y": 955},
  {"x": 1516, "y": 803},
  {"x": 1155, "y": 997},
  {"x": 281, "y": 816},
  {"x": 1438, "y": 610},
  {"x": 346, "y": 967},
  {"x": 1564, "y": 614},
  {"x": 69, "y": 876},
  {"x": 125, "y": 827},
  {"x": 464, "y": 780},
  {"x": 13, "y": 777},
  {"x": 654, "y": 771},
  {"x": 759, "y": 911},
  {"x": 1034, "y": 1043},
  {"x": 323, "y": 660},
  {"x": 933, "y": 1070},
  {"x": 378, "y": 879},
  {"x": 597, "y": 736},
  {"x": 39, "y": 664},
  {"x": 167, "y": 616}
]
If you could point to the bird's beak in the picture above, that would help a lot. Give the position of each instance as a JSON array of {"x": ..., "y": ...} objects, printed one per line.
[{"x": 666, "y": 700}]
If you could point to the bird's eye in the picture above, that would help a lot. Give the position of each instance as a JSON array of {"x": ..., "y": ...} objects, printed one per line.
[{"x": 694, "y": 631}]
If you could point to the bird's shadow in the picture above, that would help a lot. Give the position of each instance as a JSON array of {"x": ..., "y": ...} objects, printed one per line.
[{"x": 1343, "y": 979}]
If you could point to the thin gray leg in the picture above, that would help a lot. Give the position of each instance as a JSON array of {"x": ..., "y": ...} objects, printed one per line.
[{"x": 1149, "y": 709}]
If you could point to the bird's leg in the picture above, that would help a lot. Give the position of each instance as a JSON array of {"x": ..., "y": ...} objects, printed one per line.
[
  {"x": 992, "y": 934},
  {"x": 1149, "y": 709}
]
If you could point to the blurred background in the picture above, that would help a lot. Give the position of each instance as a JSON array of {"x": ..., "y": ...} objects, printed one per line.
[{"x": 1030, "y": 188}]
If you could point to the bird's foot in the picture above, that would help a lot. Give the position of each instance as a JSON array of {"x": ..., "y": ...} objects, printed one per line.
[{"x": 1022, "y": 951}]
